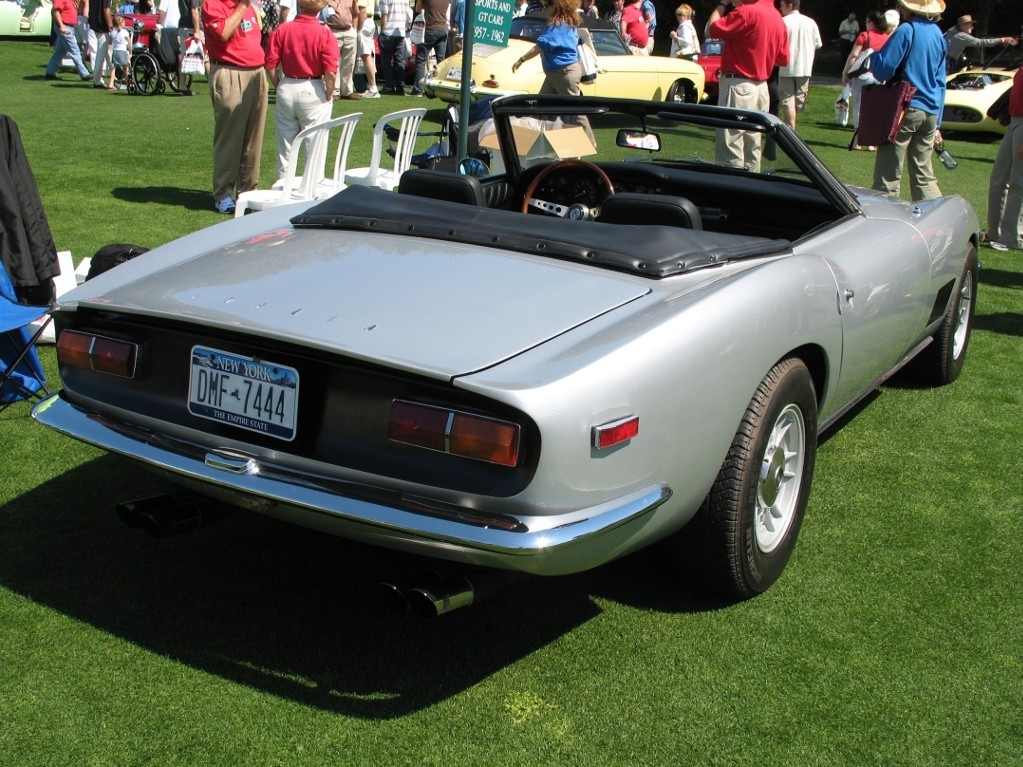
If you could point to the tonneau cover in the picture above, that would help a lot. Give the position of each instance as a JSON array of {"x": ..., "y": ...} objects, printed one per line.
[{"x": 650, "y": 251}]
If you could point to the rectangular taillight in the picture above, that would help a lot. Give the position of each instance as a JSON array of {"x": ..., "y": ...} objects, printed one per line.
[
  {"x": 455, "y": 432},
  {"x": 99, "y": 353}
]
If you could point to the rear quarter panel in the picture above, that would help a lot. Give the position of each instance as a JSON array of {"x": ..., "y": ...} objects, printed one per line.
[{"x": 686, "y": 359}]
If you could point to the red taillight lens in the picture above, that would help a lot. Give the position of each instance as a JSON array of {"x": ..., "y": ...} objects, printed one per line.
[
  {"x": 610, "y": 434},
  {"x": 92, "y": 352},
  {"x": 418, "y": 425},
  {"x": 454, "y": 432}
]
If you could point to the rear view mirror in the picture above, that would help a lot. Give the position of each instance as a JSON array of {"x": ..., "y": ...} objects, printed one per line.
[{"x": 639, "y": 140}]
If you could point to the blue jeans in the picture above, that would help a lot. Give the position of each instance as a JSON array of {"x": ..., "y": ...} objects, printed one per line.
[
  {"x": 66, "y": 44},
  {"x": 435, "y": 40},
  {"x": 391, "y": 66}
]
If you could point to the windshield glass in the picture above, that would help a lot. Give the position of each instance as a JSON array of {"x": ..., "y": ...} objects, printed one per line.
[{"x": 660, "y": 137}]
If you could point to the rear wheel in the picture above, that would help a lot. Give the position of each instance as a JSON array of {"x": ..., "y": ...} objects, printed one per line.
[
  {"x": 942, "y": 361},
  {"x": 145, "y": 73},
  {"x": 741, "y": 539}
]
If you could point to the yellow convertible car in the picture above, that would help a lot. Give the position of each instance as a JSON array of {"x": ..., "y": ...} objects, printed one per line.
[
  {"x": 621, "y": 74},
  {"x": 968, "y": 96}
]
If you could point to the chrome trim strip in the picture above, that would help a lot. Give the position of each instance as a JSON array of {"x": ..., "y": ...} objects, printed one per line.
[{"x": 276, "y": 485}]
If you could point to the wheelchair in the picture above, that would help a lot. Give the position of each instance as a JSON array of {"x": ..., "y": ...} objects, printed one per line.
[{"x": 154, "y": 63}]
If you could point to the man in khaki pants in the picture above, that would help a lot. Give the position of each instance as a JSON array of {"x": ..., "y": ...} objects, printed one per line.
[
  {"x": 238, "y": 89},
  {"x": 341, "y": 20}
]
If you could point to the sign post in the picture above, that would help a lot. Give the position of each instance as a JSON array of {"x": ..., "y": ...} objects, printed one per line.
[{"x": 487, "y": 22}]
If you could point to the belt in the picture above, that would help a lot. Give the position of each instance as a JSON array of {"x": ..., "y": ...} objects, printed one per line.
[
  {"x": 730, "y": 75},
  {"x": 233, "y": 66},
  {"x": 313, "y": 77}
]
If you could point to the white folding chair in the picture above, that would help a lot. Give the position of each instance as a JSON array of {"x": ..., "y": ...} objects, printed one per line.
[
  {"x": 313, "y": 183},
  {"x": 404, "y": 146}
]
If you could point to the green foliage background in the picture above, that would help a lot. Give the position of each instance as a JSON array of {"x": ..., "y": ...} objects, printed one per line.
[{"x": 894, "y": 637}]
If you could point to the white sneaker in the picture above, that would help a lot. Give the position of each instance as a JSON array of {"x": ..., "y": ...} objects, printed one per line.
[
  {"x": 225, "y": 205},
  {"x": 996, "y": 245},
  {"x": 373, "y": 94}
]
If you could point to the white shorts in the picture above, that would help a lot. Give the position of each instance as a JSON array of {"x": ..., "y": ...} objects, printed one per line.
[{"x": 366, "y": 46}]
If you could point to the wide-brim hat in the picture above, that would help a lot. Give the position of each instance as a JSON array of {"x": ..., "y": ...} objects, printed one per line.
[
  {"x": 967, "y": 19},
  {"x": 924, "y": 7}
]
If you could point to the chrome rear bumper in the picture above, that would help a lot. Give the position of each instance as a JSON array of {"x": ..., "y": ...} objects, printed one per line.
[{"x": 572, "y": 543}]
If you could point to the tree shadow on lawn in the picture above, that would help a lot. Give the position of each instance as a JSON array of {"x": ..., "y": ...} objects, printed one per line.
[
  {"x": 190, "y": 199},
  {"x": 286, "y": 610}
]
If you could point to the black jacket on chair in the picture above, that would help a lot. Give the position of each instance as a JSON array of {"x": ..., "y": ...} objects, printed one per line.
[{"x": 27, "y": 249}]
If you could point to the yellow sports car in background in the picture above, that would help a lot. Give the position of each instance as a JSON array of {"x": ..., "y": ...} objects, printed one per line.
[
  {"x": 968, "y": 96},
  {"x": 621, "y": 74}
]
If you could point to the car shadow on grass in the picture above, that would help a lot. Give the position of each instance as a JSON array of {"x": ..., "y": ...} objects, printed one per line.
[
  {"x": 286, "y": 610},
  {"x": 190, "y": 199}
]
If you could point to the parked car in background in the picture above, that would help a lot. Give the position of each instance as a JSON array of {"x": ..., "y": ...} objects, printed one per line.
[
  {"x": 621, "y": 74},
  {"x": 710, "y": 60},
  {"x": 968, "y": 96},
  {"x": 614, "y": 341},
  {"x": 25, "y": 18}
]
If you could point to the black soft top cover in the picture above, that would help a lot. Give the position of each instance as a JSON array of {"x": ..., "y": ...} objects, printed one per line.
[{"x": 649, "y": 251}]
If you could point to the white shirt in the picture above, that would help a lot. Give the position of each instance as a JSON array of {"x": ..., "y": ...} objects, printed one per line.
[{"x": 804, "y": 40}]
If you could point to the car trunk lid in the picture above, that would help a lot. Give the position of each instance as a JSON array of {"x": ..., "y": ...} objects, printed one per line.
[{"x": 433, "y": 308}]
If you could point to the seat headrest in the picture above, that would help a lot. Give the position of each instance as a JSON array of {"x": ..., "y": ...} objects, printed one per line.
[
  {"x": 440, "y": 185},
  {"x": 647, "y": 209}
]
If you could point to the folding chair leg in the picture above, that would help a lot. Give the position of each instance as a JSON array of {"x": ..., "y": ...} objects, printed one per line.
[{"x": 7, "y": 376}]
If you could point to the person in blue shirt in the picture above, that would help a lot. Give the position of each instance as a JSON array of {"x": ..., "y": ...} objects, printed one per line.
[
  {"x": 558, "y": 48},
  {"x": 456, "y": 17},
  {"x": 920, "y": 43},
  {"x": 650, "y": 15}
]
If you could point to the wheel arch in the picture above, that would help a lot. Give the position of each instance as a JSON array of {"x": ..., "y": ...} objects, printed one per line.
[{"x": 816, "y": 361}]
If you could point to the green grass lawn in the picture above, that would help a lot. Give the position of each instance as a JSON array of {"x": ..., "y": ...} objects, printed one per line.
[{"x": 894, "y": 637}]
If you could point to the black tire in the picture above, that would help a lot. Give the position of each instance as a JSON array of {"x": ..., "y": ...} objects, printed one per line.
[
  {"x": 145, "y": 73},
  {"x": 744, "y": 534},
  {"x": 682, "y": 91},
  {"x": 941, "y": 362}
]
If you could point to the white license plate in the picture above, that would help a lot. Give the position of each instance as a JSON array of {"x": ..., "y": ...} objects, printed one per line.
[
  {"x": 243, "y": 391},
  {"x": 455, "y": 73}
]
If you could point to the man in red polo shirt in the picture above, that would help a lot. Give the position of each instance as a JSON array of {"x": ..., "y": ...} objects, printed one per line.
[
  {"x": 65, "y": 17},
  {"x": 238, "y": 89},
  {"x": 756, "y": 42},
  {"x": 301, "y": 61}
]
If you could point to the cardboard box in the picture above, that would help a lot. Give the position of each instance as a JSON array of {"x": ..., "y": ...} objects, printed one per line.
[{"x": 561, "y": 142}]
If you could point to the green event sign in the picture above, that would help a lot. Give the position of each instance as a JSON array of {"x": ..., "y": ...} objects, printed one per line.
[{"x": 492, "y": 22}]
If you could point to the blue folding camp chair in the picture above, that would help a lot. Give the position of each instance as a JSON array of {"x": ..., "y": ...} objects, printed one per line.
[{"x": 21, "y": 374}]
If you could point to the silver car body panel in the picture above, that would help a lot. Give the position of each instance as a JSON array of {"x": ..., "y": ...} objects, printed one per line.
[{"x": 684, "y": 354}]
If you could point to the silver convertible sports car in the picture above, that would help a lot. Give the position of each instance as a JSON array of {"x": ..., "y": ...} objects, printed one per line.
[{"x": 604, "y": 339}]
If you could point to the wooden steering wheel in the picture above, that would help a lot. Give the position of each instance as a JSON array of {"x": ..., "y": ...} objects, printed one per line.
[{"x": 578, "y": 211}]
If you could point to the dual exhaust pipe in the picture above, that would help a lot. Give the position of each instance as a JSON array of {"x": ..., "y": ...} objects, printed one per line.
[{"x": 432, "y": 593}]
